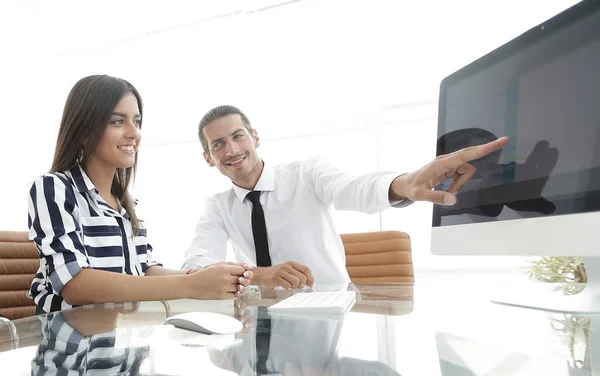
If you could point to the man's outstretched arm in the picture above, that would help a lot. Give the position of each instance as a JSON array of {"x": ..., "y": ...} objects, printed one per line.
[{"x": 418, "y": 185}]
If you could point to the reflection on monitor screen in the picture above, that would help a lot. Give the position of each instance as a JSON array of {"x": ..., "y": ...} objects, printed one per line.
[
  {"x": 540, "y": 195},
  {"x": 542, "y": 90}
]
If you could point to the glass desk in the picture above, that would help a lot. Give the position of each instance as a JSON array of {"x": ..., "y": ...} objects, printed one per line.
[{"x": 436, "y": 327}]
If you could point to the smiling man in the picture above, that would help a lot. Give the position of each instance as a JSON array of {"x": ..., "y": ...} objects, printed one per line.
[{"x": 278, "y": 216}]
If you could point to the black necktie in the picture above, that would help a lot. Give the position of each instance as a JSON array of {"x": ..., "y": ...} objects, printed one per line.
[
  {"x": 263, "y": 340},
  {"x": 261, "y": 246},
  {"x": 259, "y": 231}
]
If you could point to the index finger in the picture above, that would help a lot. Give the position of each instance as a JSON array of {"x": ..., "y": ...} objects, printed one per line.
[{"x": 474, "y": 152}]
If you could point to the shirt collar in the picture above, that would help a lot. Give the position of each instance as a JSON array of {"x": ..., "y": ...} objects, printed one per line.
[
  {"x": 266, "y": 182},
  {"x": 84, "y": 184},
  {"x": 82, "y": 181}
]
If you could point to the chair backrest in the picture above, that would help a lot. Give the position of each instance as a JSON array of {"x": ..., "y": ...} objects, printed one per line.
[
  {"x": 381, "y": 256},
  {"x": 19, "y": 261}
]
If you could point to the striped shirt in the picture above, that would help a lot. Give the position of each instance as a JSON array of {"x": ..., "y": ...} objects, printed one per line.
[
  {"x": 74, "y": 228},
  {"x": 64, "y": 351}
]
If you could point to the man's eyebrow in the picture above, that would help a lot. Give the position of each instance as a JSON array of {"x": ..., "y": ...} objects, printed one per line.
[
  {"x": 123, "y": 115},
  {"x": 231, "y": 134}
]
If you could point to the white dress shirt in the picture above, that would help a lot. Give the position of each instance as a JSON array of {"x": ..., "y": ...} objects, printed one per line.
[{"x": 296, "y": 199}]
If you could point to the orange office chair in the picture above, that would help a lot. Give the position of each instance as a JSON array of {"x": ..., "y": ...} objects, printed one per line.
[
  {"x": 19, "y": 261},
  {"x": 382, "y": 256}
]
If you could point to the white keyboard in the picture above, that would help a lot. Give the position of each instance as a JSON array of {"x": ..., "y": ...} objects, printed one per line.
[{"x": 316, "y": 302}]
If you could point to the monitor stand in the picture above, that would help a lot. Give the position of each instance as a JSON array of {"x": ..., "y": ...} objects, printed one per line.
[{"x": 587, "y": 303}]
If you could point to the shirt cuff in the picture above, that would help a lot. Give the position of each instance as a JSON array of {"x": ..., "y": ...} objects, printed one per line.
[
  {"x": 66, "y": 272},
  {"x": 384, "y": 192},
  {"x": 385, "y": 183},
  {"x": 401, "y": 204},
  {"x": 64, "y": 332}
]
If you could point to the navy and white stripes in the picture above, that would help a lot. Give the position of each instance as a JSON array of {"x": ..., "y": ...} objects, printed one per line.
[
  {"x": 74, "y": 228},
  {"x": 64, "y": 351}
]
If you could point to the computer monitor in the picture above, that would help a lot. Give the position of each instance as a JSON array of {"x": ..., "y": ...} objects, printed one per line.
[{"x": 540, "y": 195}]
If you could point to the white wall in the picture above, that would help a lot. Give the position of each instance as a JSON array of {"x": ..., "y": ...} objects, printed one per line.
[{"x": 353, "y": 80}]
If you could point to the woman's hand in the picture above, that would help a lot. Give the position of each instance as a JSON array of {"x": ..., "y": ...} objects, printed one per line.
[{"x": 219, "y": 281}]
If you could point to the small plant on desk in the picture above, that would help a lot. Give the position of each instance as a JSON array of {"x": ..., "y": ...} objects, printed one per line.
[{"x": 567, "y": 272}]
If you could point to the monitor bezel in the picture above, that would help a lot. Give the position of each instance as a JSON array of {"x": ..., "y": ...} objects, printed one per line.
[{"x": 527, "y": 236}]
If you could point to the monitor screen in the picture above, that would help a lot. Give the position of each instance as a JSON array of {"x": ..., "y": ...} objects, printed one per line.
[{"x": 542, "y": 90}]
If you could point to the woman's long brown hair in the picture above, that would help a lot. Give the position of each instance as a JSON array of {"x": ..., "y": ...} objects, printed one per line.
[{"x": 86, "y": 115}]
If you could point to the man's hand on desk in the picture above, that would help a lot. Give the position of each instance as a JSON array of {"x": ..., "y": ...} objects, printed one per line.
[{"x": 289, "y": 275}]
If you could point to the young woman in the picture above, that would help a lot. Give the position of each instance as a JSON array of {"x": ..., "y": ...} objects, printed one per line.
[{"x": 93, "y": 247}]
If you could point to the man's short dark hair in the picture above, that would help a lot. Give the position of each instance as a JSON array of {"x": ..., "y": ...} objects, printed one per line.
[{"x": 218, "y": 113}]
